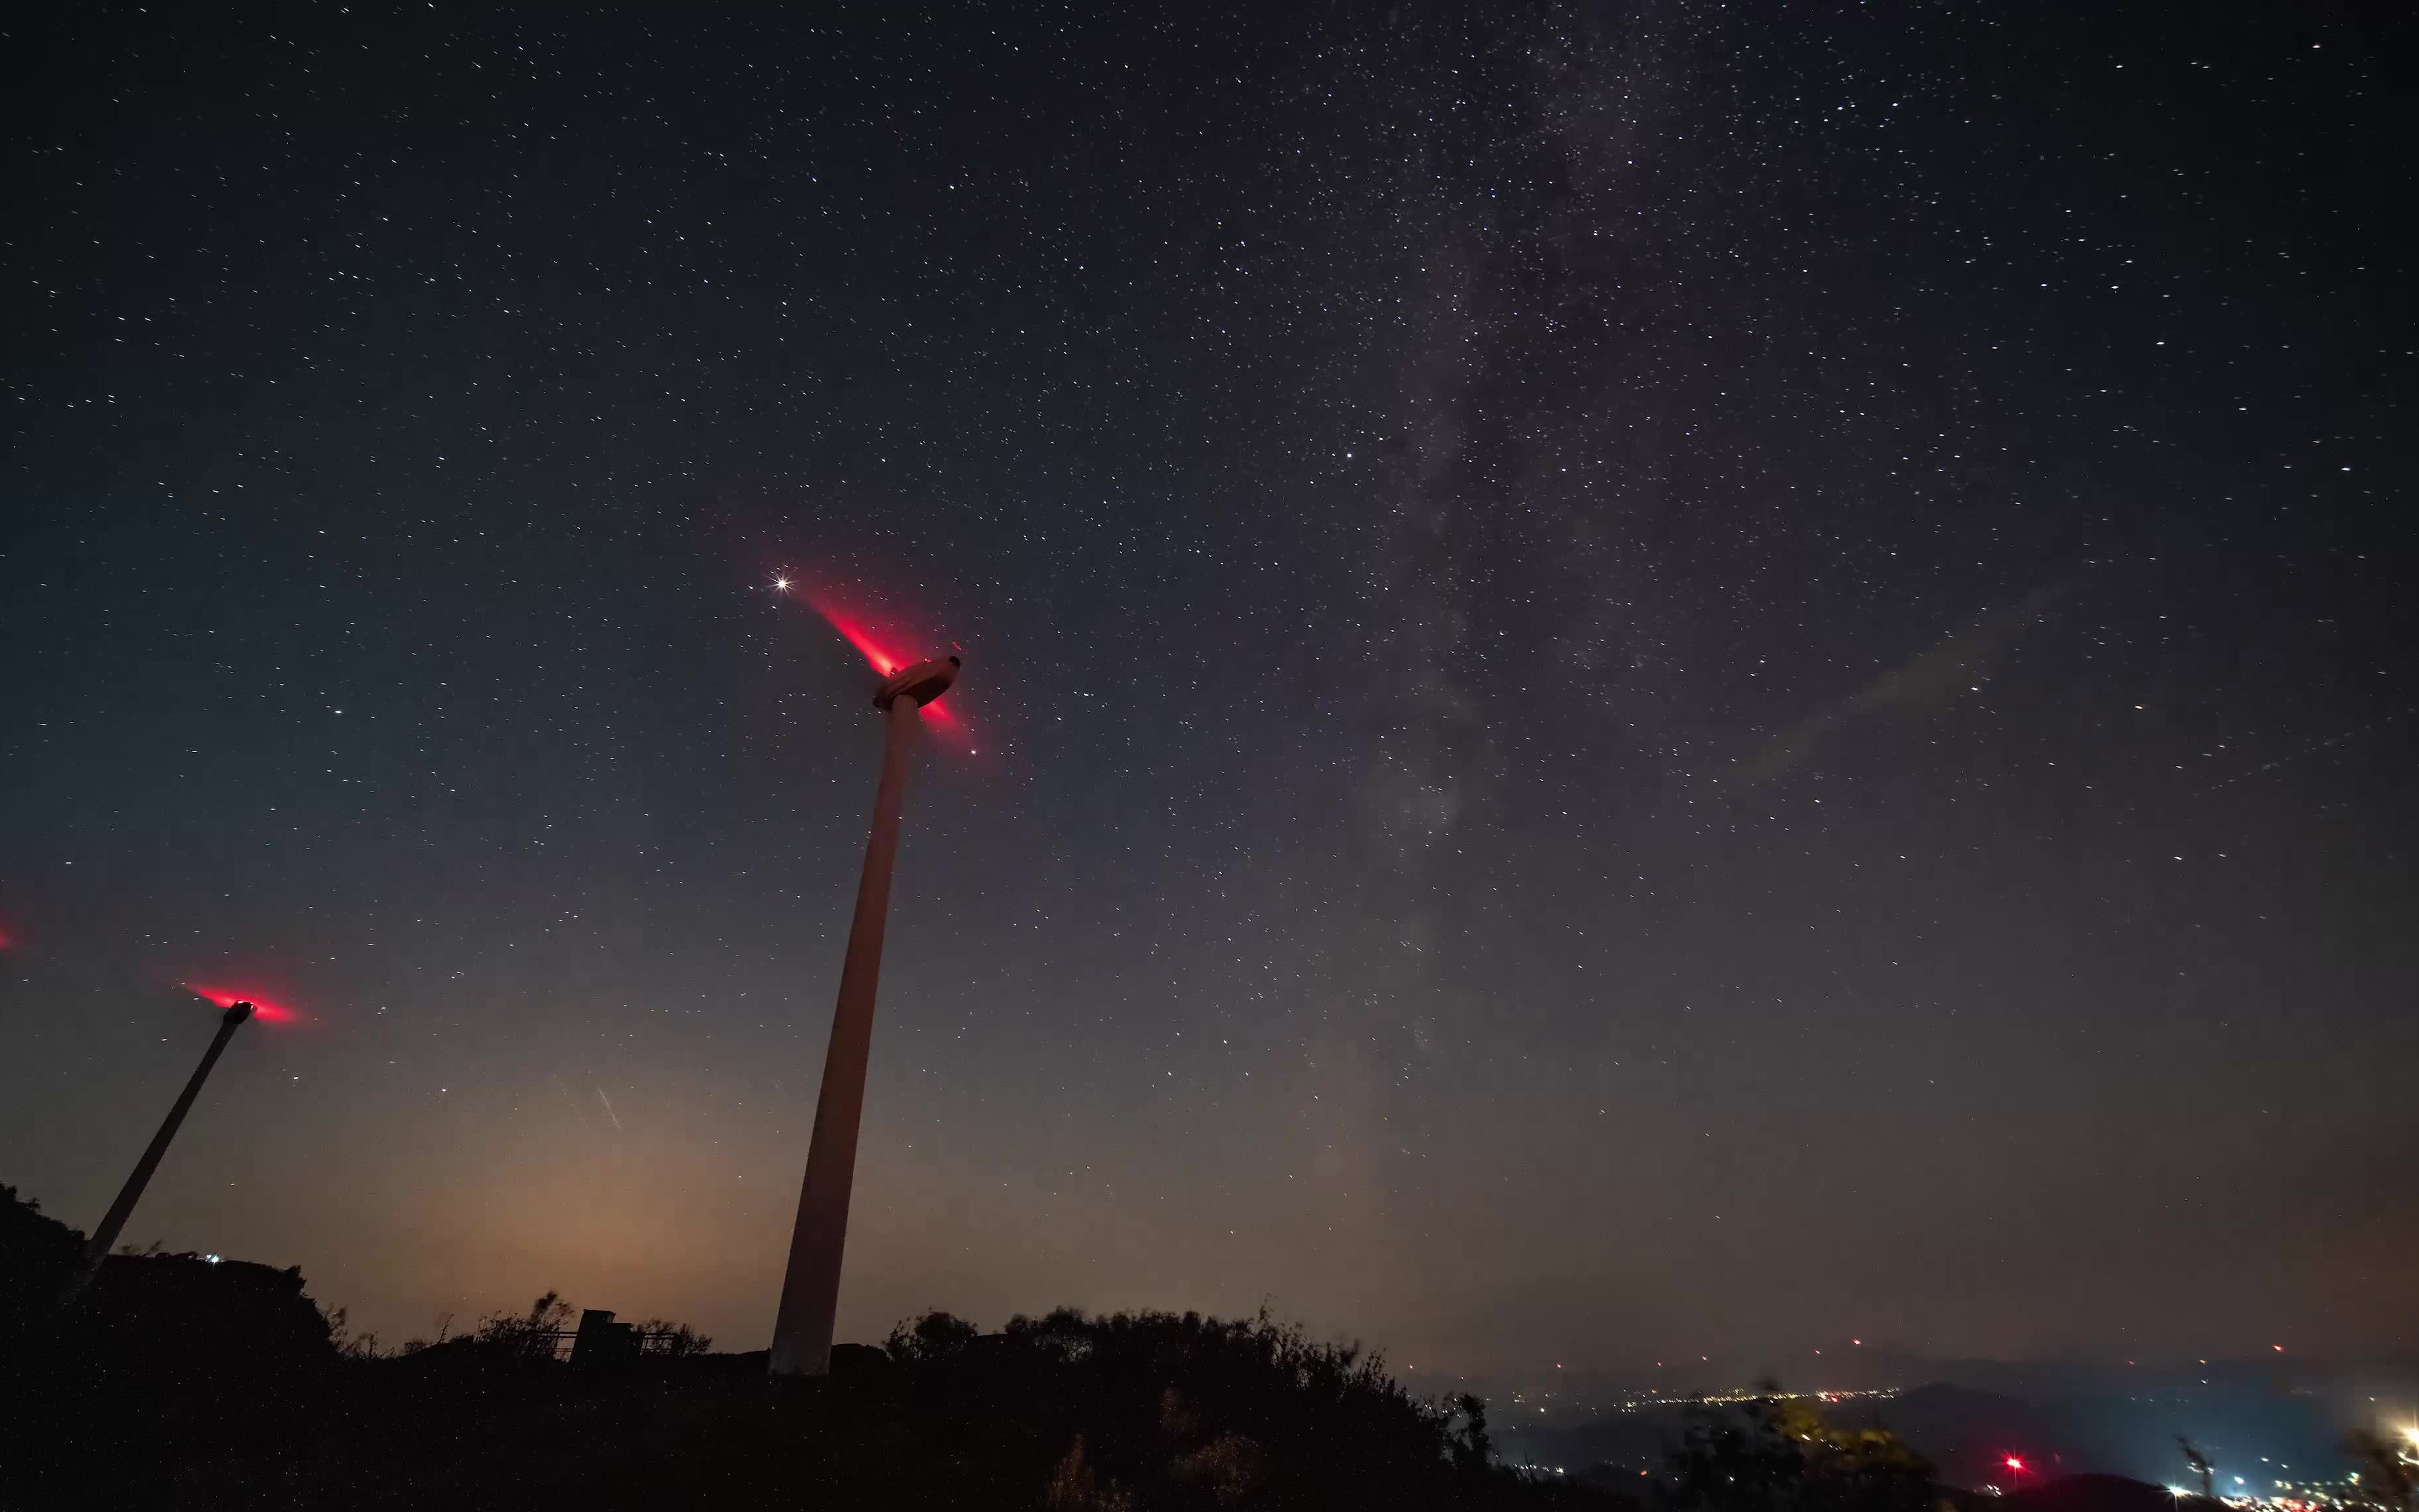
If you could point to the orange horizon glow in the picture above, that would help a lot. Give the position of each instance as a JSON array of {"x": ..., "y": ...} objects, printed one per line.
[{"x": 262, "y": 1008}]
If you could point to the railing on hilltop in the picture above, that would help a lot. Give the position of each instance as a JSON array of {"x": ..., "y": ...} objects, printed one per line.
[{"x": 564, "y": 1343}]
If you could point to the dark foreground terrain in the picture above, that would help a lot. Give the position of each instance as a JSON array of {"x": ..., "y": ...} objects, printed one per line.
[
  {"x": 1064, "y": 1412},
  {"x": 181, "y": 1381},
  {"x": 177, "y": 1381}
]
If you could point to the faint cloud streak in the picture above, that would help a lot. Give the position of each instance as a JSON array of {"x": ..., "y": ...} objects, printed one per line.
[{"x": 1929, "y": 678}]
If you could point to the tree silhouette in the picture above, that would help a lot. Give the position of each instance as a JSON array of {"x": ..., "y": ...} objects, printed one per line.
[
  {"x": 1780, "y": 1454},
  {"x": 937, "y": 1336},
  {"x": 38, "y": 1253},
  {"x": 2200, "y": 1465},
  {"x": 2387, "y": 1474},
  {"x": 1468, "y": 1444},
  {"x": 537, "y": 1334},
  {"x": 1160, "y": 1410},
  {"x": 677, "y": 1340}
]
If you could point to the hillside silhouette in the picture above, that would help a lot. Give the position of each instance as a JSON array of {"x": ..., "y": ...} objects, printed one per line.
[
  {"x": 184, "y": 1380},
  {"x": 181, "y": 1381}
]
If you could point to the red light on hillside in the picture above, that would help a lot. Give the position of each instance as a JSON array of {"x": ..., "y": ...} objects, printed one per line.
[{"x": 262, "y": 1008}]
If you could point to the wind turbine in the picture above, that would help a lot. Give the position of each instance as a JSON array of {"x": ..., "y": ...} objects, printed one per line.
[{"x": 802, "y": 1331}]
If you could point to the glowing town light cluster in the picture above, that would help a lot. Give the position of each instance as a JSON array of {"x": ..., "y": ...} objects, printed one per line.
[
  {"x": 1742, "y": 1394},
  {"x": 2292, "y": 1496}
]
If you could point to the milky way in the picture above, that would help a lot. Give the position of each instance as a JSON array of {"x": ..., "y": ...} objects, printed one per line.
[{"x": 1674, "y": 681}]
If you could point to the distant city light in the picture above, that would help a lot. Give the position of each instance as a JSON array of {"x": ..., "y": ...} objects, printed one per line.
[{"x": 212, "y": 1259}]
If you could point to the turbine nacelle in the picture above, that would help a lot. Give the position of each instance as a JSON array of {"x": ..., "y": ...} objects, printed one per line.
[
  {"x": 253, "y": 1004},
  {"x": 923, "y": 683}
]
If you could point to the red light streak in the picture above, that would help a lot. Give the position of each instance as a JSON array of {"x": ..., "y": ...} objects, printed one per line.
[
  {"x": 853, "y": 631},
  {"x": 941, "y": 714},
  {"x": 262, "y": 1008},
  {"x": 868, "y": 642},
  {"x": 2016, "y": 1463}
]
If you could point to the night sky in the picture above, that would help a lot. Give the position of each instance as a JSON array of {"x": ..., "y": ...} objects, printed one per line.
[{"x": 1640, "y": 682}]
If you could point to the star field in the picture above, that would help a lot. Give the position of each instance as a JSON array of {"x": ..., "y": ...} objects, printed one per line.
[{"x": 1641, "y": 681}]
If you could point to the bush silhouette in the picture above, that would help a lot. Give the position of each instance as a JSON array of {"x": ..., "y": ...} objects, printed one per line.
[
  {"x": 1779, "y": 1454},
  {"x": 38, "y": 1253}
]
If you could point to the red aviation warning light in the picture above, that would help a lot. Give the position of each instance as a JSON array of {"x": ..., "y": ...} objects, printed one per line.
[
  {"x": 262, "y": 1008},
  {"x": 875, "y": 646},
  {"x": 880, "y": 658}
]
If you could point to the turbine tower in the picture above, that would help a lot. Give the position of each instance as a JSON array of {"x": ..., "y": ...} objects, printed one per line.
[
  {"x": 802, "y": 1332},
  {"x": 105, "y": 1236}
]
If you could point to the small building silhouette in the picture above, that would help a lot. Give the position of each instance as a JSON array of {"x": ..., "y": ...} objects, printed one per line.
[{"x": 600, "y": 1340}]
